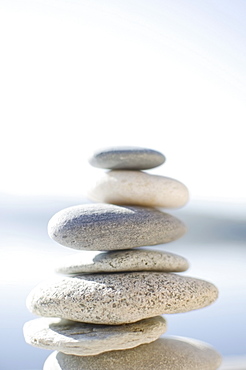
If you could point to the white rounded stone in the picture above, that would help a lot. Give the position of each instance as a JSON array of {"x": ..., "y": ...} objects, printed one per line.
[
  {"x": 120, "y": 261},
  {"x": 119, "y": 298},
  {"x": 170, "y": 353},
  {"x": 83, "y": 339},
  {"x": 138, "y": 188},
  {"x": 110, "y": 227}
]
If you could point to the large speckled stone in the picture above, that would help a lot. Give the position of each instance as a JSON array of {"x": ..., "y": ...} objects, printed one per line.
[
  {"x": 138, "y": 188},
  {"x": 110, "y": 227},
  {"x": 126, "y": 157},
  {"x": 89, "y": 339},
  {"x": 119, "y": 298},
  {"x": 170, "y": 353},
  {"x": 120, "y": 261}
]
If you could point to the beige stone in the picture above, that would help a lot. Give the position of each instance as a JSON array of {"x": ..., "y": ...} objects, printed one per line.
[
  {"x": 83, "y": 339},
  {"x": 170, "y": 353},
  {"x": 119, "y": 298},
  {"x": 120, "y": 261},
  {"x": 138, "y": 188}
]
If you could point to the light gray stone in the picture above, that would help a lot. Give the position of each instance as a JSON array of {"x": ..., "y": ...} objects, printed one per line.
[
  {"x": 138, "y": 188},
  {"x": 119, "y": 298},
  {"x": 120, "y": 261},
  {"x": 83, "y": 339},
  {"x": 126, "y": 157},
  {"x": 170, "y": 353},
  {"x": 110, "y": 227}
]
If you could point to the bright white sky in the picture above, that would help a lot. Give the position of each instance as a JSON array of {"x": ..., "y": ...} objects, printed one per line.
[{"x": 81, "y": 74}]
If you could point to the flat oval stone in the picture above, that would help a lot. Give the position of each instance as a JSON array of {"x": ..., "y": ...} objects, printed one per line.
[
  {"x": 126, "y": 157},
  {"x": 83, "y": 339},
  {"x": 170, "y": 353},
  {"x": 120, "y": 261},
  {"x": 119, "y": 298},
  {"x": 138, "y": 188},
  {"x": 110, "y": 227}
]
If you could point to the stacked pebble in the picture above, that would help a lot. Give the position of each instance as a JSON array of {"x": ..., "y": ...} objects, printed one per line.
[{"x": 106, "y": 313}]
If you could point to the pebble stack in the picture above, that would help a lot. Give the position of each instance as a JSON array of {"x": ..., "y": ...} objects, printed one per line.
[{"x": 105, "y": 310}]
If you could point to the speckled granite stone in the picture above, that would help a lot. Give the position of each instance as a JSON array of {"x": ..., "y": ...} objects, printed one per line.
[
  {"x": 89, "y": 339},
  {"x": 120, "y": 261},
  {"x": 126, "y": 157},
  {"x": 119, "y": 298},
  {"x": 138, "y": 188},
  {"x": 111, "y": 227},
  {"x": 170, "y": 353}
]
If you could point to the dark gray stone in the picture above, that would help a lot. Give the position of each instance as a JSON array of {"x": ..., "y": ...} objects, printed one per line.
[
  {"x": 110, "y": 227},
  {"x": 127, "y": 158},
  {"x": 170, "y": 353}
]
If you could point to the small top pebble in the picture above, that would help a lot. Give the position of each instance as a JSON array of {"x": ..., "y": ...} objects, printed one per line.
[{"x": 126, "y": 157}]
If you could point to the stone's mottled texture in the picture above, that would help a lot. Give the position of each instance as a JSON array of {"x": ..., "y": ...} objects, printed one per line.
[
  {"x": 127, "y": 158},
  {"x": 138, "y": 188},
  {"x": 120, "y": 261},
  {"x": 111, "y": 227},
  {"x": 119, "y": 298},
  {"x": 170, "y": 353},
  {"x": 83, "y": 339}
]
